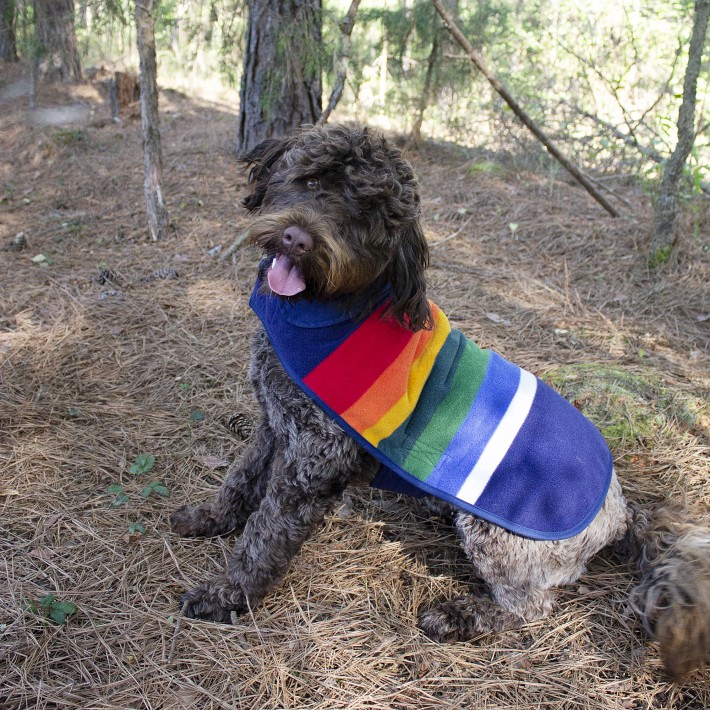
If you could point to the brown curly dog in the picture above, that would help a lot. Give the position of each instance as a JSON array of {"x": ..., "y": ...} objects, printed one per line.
[{"x": 337, "y": 217}]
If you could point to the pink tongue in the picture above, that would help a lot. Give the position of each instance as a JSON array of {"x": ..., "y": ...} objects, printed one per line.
[{"x": 284, "y": 277}]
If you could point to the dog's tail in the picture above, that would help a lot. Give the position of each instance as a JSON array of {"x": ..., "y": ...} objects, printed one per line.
[{"x": 672, "y": 557}]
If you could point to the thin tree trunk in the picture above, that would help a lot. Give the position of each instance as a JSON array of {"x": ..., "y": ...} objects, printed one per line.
[
  {"x": 150, "y": 122},
  {"x": 416, "y": 135},
  {"x": 281, "y": 82},
  {"x": 477, "y": 60},
  {"x": 384, "y": 61},
  {"x": 8, "y": 44},
  {"x": 341, "y": 62},
  {"x": 667, "y": 200},
  {"x": 55, "y": 37}
]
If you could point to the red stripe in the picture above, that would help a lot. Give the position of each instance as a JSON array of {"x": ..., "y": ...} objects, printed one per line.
[{"x": 350, "y": 370}]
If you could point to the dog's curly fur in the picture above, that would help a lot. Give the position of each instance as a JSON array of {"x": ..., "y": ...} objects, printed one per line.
[{"x": 357, "y": 199}]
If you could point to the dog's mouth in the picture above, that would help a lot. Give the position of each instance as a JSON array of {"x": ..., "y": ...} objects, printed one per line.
[{"x": 284, "y": 276}]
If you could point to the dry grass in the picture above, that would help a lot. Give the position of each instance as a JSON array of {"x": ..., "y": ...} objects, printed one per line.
[{"x": 91, "y": 375}]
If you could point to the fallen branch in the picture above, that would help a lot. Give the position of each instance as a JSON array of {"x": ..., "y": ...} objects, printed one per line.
[
  {"x": 241, "y": 239},
  {"x": 478, "y": 61}
]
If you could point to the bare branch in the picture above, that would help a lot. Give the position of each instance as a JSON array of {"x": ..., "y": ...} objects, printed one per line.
[
  {"x": 629, "y": 139},
  {"x": 480, "y": 64}
]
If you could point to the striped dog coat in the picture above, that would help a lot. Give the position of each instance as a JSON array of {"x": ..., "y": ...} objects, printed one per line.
[{"x": 445, "y": 417}]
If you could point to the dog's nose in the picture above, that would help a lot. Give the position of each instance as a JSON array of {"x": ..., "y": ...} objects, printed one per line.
[{"x": 296, "y": 241}]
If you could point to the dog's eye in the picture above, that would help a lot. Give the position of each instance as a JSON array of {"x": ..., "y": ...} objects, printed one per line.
[{"x": 313, "y": 183}]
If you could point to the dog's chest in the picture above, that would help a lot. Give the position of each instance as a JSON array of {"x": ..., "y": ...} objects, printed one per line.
[{"x": 290, "y": 412}]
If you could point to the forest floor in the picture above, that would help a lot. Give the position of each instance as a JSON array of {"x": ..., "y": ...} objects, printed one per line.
[{"x": 113, "y": 347}]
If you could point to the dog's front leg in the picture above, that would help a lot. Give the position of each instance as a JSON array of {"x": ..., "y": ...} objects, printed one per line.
[
  {"x": 303, "y": 487},
  {"x": 240, "y": 493}
]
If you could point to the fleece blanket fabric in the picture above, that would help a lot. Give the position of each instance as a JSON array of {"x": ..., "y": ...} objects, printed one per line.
[{"x": 444, "y": 416}]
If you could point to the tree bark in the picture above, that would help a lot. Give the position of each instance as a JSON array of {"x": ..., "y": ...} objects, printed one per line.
[
  {"x": 341, "y": 62},
  {"x": 667, "y": 200},
  {"x": 281, "y": 81},
  {"x": 150, "y": 122},
  {"x": 8, "y": 44},
  {"x": 56, "y": 52},
  {"x": 477, "y": 60}
]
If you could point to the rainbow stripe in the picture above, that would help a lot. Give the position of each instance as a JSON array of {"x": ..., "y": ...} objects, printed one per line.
[{"x": 446, "y": 416}]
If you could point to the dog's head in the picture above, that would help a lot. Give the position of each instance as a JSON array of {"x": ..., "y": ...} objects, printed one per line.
[{"x": 337, "y": 211}]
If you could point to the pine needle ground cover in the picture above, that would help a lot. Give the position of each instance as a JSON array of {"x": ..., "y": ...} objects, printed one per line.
[{"x": 123, "y": 372}]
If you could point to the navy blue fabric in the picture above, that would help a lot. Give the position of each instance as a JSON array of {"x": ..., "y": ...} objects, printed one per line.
[
  {"x": 287, "y": 324},
  {"x": 534, "y": 458}
]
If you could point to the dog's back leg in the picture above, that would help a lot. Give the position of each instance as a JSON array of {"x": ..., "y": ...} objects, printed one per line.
[{"x": 519, "y": 574}]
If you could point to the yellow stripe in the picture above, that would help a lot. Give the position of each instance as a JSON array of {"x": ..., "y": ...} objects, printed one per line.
[{"x": 418, "y": 375}]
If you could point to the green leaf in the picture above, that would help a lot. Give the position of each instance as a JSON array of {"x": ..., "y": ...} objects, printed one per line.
[
  {"x": 142, "y": 464},
  {"x": 114, "y": 488},
  {"x": 57, "y": 611},
  {"x": 155, "y": 486},
  {"x": 57, "y": 615},
  {"x": 197, "y": 416},
  {"x": 136, "y": 528},
  {"x": 66, "y": 607},
  {"x": 120, "y": 499}
]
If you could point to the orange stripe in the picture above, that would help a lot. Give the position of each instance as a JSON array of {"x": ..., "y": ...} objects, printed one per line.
[
  {"x": 349, "y": 371},
  {"x": 392, "y": 384}
]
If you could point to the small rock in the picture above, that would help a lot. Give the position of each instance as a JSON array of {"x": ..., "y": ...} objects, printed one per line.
[
  {"x": 164, "y": 274},
  {"x": 18, "y": 242}
]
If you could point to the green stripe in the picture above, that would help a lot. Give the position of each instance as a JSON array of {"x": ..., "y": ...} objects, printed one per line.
[
  {"x": 417, "y": 445},
  {"x": 400, "y": 442}
]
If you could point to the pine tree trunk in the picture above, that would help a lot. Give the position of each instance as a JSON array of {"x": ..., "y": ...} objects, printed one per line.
[
  {"x": 281, "y": 82},
  {"x": 8, "y": 45},
  {"x": 57, "y": 51},
  {"x": 667, "y": 199},
  {"x": 150, "y": 123}
]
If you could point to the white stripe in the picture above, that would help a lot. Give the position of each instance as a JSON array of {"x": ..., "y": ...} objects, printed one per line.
[{"x": 501, "y": 439}]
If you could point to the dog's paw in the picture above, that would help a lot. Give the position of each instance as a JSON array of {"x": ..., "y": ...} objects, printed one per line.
[
  {"x": 465, "y": 617},
  {"x": 444, "y": 623},
  {"x": 213, "y": 603},
  {"x": 194, "y": 521}
]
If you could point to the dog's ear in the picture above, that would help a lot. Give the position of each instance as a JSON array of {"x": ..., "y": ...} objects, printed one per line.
[
  {"x": 260, "y": 160},
  {"x": 406, "y": 276}
]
